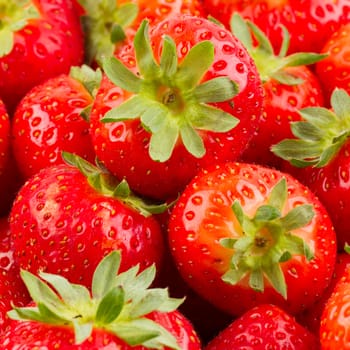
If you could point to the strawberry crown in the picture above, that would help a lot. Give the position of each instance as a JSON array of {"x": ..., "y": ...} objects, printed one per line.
[
  {"x": 14, "y": 15},
  {"x": 118, "y": 303},
  {"x": 270, "y": 65},
  {"x": 104, "y": 23},
  {"x": 168, "y": 98},
  {"x": 107, "y": 184},
  {"x": 267, "y": 241},
  {"x": 320, "y": 135}
]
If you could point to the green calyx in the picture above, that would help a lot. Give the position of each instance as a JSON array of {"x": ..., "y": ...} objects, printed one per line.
[
  {"x": 14, "y": 15},
  {"x": 118, "y": 303},
  {"x": 104, "y": 182},
  {"x": 91, "y": 80},
  {"x": 104, "y": 23},
  {"x": 168, "y": 97},
  {"x": 320, "y": 135},
  {"x": 269, "y": 65},
  {"x": 267, "y": 241}
]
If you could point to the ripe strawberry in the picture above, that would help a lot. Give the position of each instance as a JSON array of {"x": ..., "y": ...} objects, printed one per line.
[
  {"x": 288, "y": 85},
  {"x": 335, "y": 320},
  {"x": 65, "y": 219},
  {"x": 4, "y": 136},
  {"x": 120, "y": 312},
  {"x": 12, "y": 288},
  {"x": 264, "y": 327},
  {"x": 243, "y": 235},
  {"x": 48, "y": 121},
  {"x": 319, "y": 155},
  {"x": 177, "y": 108},
  {"x": 40, "y": 39},
  {"x": 334, "y": 70},
  {"x": 310, "y": 22}
]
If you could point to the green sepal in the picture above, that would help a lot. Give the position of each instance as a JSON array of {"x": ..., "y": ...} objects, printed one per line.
[
  {"x": 267, "y": 241},
  {"x": 89, "y": 77},
  {"x": 110, "y": 306},
  {"x": 104, "y": 182},
  {"x": 320, "y": 136},
  {"x": 81, "y": 331},
  {"x": 270, "y": 65}
]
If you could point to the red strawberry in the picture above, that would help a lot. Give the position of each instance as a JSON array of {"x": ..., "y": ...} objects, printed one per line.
[
  {"x": 40, "y": 39},
  {"x": 12, "y": 288},
  {"x": 335, "y": 319},
  {"x": 121, "y": 312},
  {"x": 310, "y": 22},
  {"x": 334, "y": 70},
  {"x": 174, "y": 111},
  {"x": 4, "y": 136},
  {"x": 288, "y": 85},
  {"x": 319, "y": 155},
  {"x": 48, "y": 121},
  {"x": 264, "y": 327},
  {"x": 64, "y": 220},
  {"x": 243, "y": 235}
]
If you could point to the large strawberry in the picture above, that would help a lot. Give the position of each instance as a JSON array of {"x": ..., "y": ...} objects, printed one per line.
[
  {"x": 39, "y": 39},
  {"x": 244, "y": 234},
  {"x": 334, "y": 71},
  {"x": 310, "y": 22},
  {"x": 118, "y": 311},
  {"x": 288, "y": 85},
  {"x": 65, "y": 218},
  {"x": 12, "y": 288},
  {"x": 321, "y": 146},
  {"x": 176, "y": 109},
  {"x": 264, "y": 327},
  {"x": 49, "y": 119}
]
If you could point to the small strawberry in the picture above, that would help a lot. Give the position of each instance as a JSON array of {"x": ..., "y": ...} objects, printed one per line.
[
  {"x": 243, "y": 235},
  {"x": 68, "y": 216},
  {"x": 185, "y": 95},
  {"x": 264, "y": 327},
  {"x": 118, "y": 311},
  {"x": 49, "y": 120},
  {"x": 39, "y": 39}
]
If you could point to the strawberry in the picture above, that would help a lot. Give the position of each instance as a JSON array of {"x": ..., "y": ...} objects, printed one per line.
[
  {"x": 12, "y": 288},
  {"x": 335, "y": 320},
  {"x": 319, "y": 157},
  {"x": 243, "y": 235},
  {"x": 40, "y": 39},
  {"x": 48, "y": 121},
  {"x": 310, "y": 22},
  {"x": 68, "y": 216},
  {"x": 264, "y": 327},
  {"x": 4, "y": 136},
  {"x": 288, "y": 85},
  {"x": 120, "y": 311},
  {"x": 191, "y": 97},
  {"x": 334, "y": 71}
]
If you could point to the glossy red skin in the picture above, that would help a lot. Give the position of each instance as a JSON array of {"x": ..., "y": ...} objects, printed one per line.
[
  {"x": 264, "y": 327},
  {"x": 123, "y": 146},
  {"x": 311, "y": 318},
  {"x": 331, "y": 184},
  {"x": 309, "y": 22},
  {"x": 335, "y": 320},
  {"x": 281, "y": 107},
  {"x": 47, "y": 121},
  {"x": 62, "y": 225},
  {"x": 29, "y": 335},
  {"x": 334, "y": 70},
  {"x": 4, "y": 136},
  {"x": 12, "y": 288},
  {"x": 203, "y": 215},
  {"x": 45, "y": 47}
]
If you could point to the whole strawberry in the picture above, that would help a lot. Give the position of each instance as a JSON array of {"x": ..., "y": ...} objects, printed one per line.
[
  {"x": 185, "y": 95},
  {"x": 67, "y": 217},
  {"x": 39, "y": 39},
  {"x": 264, "y": 327},
  {"x": 50, "y": 119},
  {"x": 119, "y": 310}
]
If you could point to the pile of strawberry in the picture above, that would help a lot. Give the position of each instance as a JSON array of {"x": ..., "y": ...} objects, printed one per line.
[{"x": 174, "y": 174}]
